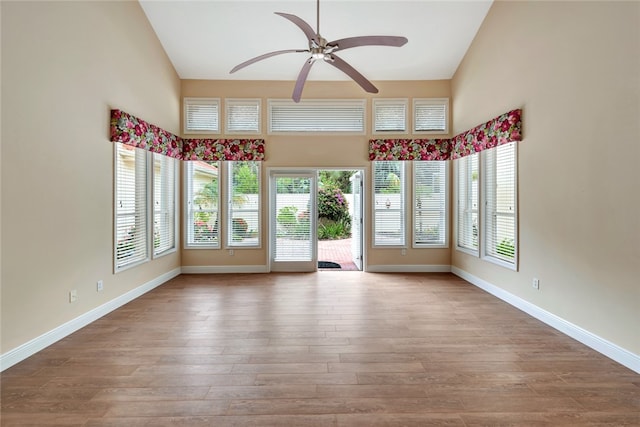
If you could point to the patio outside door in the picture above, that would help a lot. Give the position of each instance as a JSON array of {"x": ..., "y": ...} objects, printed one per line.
[{"x": 293, "y": 221}]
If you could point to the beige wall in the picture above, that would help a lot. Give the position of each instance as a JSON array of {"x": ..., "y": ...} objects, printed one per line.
[
  {"x": 316, "y": 152},
  {"x": 64, "y": 65},
  {"x": 574, "y": 68}
]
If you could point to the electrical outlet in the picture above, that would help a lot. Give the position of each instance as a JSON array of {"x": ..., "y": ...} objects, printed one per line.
[
  {"x": 73, "y": 295},
  {"x": 99, "y": 286},
  {"x": 230, "y": 252},
  {"x": 536, "y": 283},
  {"x": 403, "y": 252}
]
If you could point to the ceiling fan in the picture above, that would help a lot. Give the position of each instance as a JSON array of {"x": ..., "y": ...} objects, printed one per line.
[{"x": 320, "y": 49}]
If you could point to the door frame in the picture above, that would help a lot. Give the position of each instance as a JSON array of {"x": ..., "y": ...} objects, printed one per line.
[
  {"x": 293, "y": 266},
  {"x": 271, "y": 216}
]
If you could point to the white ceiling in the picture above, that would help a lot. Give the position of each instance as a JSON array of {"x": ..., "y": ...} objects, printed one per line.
[{"x": 206, "y": 39}]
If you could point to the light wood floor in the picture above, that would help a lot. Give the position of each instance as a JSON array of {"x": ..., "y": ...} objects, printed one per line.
[{"x": 321, "y": 349}]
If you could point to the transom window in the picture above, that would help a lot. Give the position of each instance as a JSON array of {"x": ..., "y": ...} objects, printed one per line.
[
  {"x": 390, "y": 115},
  {"x": 338, "y": 116},
  {"x": 242, "y": 116},
  {"x": 431, "y": 115},
  {"x": 201, "y": 115}
]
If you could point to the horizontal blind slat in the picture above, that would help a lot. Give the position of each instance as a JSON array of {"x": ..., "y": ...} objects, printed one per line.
[{"x": 316, "y": 117}]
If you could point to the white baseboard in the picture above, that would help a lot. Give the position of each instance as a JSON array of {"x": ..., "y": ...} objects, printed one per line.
[
  {"x": 408, "y": 268},
  {"x": 614, "y": 352},
  {"x": 27, "y": 349},
  {"x": 222, "y": 269}
]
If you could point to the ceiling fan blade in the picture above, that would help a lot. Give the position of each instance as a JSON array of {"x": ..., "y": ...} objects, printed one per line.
[
  {"x": 353, "y": 73},
  {"x": 302, "y": 78},
  {"x": 368, "y": 41},
  {"x": 265, "y": 56},
  {"x": 306, "y": 28}
]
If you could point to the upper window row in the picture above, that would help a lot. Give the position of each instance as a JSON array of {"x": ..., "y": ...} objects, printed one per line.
[{"x": 243, "y": 116}]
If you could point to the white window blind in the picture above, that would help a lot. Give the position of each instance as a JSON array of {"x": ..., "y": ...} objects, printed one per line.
[
  {"x": 499, "y": 190},
  {"x": 243, "y": 220},
  {"x": 389, "y": 115},
  {"x": 317, "y": 116},
  {"x": 131, "y": 244},
  {"x": 389, "y": 204},
  {"x": 467, "y": 203},
  {"x": 201, "y": 115},
  {"x": 202, "y": 194},
  {"x": 430, "y": 203},
  {"x": 430, "y": 115},
  {"x": 164, "y": 204},
  {"x": 242, "y": 115}
]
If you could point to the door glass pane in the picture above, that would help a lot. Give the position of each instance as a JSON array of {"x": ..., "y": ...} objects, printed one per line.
[{"x": 293, "y": 231}]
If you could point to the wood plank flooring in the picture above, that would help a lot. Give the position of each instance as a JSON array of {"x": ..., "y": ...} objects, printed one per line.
[{"x": 318, "y": 349}]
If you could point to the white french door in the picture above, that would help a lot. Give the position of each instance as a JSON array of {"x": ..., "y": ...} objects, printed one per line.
[
  {"x": 356, "y": 220},
  {"x": 293, "y": 216}
]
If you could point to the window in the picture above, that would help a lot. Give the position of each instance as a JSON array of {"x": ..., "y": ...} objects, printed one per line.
[
  {"x": 430, "y": 115},
  {"x": 201, "y": 115},
  {"x": 388, "y": 204},
  {"x": 131, "y": 244},
  {"x": 467, "y": 203},
  {"x": 346, "y": 116},
  {"x": 243, "y": 221},
  {"x": 164, "y": 204},
  {"x": 202, "y": 195},
  {"x": 389, "y": 116},
  {"x": 499, "y": 193},
  {"x": 242, "y": 116},
  {"x": 430, "y": 216}
]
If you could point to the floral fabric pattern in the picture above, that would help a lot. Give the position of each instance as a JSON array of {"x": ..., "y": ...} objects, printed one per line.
[
  {"x": 133, "y": 131},
  {"x": 409, "y": 149},
  {"x": 501, "y": 130},
  {"x": 211, "y": 150},
  {"x": 130, "y": 130}
]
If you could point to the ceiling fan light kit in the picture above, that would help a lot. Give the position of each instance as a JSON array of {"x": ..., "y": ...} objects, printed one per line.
[{"x": 320, "y": 49}]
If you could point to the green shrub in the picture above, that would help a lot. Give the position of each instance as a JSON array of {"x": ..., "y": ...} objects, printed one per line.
[
  {"x": 331, "y": 230},
  {"x": 333, "y": 206},
  {"x": 287, "y": 216},
  {"x": 506, "y": 248}
]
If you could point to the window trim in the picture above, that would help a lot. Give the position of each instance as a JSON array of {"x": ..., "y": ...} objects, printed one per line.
[
  {"x": 188, "y": 182},
  {"x": 389, "y": 102},
  {"x": 447, "y": 220},
  {"x": 186, "y": 102},
  {"x": 176, "y": 186},
  {"x": 228, "y": 214},
  {"x": 430, "y": 101},
  {"x": 464, "y": 249},
  {"x": 344, "y": 102},
  {"x": 146, "y": 211},
  {"x": 229, "y": 102},
  {"x": 484, "y": 255},
  {"x": 403, "y": 188}
]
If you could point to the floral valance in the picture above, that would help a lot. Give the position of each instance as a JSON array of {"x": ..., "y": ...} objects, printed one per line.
[
  {"x": 409, "y": 149},
  {"x": 223, "y": 149},
  {"x": 130, "y": 130},
  {"x": 133, "y": 131},
  {"x": 500, "y": 130}
]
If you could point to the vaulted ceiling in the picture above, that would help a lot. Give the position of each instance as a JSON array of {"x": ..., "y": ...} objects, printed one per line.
[{"x": 206, "y": 39}]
